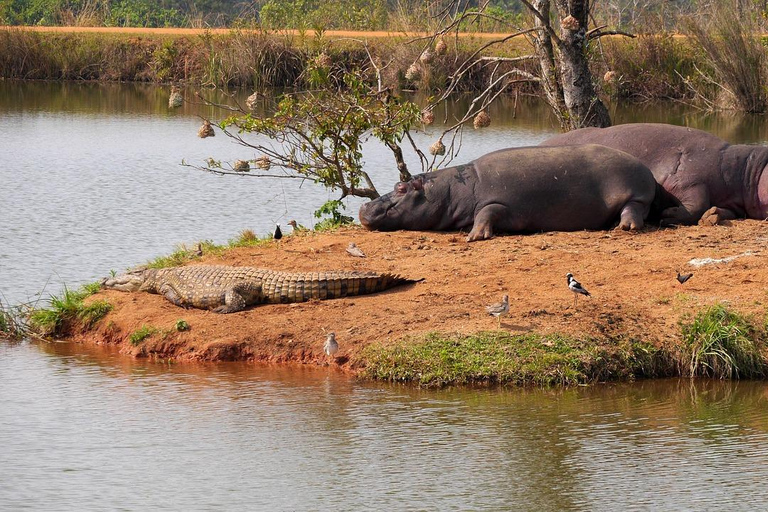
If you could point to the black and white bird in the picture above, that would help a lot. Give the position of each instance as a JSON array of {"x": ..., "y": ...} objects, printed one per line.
[
  {"x": 499, "y": 309},
  {"x": 278, "y": 233},
  {"x": 576, "y": 288},
  {"x": 681, "y": 278},
  {"x": 331, "y": 345}
]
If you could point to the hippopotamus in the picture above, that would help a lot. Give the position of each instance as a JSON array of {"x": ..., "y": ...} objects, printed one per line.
[
  {"x": 704, "y": 177},
  {"x": 527, "y": 189}
]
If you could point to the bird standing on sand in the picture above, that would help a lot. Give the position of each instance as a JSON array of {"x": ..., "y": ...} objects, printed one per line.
[
  {"x": 576, "y": 288},
  {"x": 681, "y": 278},
  {"x": 499, "y": 309},
  {"x": 331, "y": 346},
  {"x": 278, "y": 233},
  {"x": 354, "y": 250}
]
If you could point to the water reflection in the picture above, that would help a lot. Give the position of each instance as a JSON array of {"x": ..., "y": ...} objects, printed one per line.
[{"x": 90, "y": 428}]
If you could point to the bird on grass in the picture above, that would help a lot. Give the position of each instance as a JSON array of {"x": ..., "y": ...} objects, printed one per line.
[
  {"x": 576, "y": 288},
  {"x": 331, "y": 345},
  {"x": 681, "y": 278},
  {"x": 278, "y": 233},
  {"x": 499, "y": 309}
]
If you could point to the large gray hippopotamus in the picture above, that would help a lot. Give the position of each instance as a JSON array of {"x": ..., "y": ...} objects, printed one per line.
[
  {"x": 525, "y": 189},
  {"x": 698, "y": 171}
]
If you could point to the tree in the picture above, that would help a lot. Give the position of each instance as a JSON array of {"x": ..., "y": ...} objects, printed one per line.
[
  {"x": 317, "y": 134},
  {"x": 560, "y": 48}
]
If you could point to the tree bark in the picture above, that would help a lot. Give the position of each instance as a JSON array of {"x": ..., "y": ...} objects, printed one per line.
[
  {"x": 550, "y": 82},
  {"x": 582, "y": 103}
]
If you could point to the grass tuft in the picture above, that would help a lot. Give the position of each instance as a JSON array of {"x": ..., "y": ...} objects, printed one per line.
[
  {"x": 723, "y": 344},
  {"x": 438, "y": 359},
  {"x": 68, "y": 310},
  {"x": 12, "y": 323}
]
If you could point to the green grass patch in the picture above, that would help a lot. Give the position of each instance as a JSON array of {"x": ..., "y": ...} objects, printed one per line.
[
  {"x": 184, "y": 254},
  {"x": 247, "y": 238},
  {"x": 438, "y": 359},
  {"x": 724, "y": 344},
  {"x": 68, "y": 310},
  {"x": 141, "y": 334}
]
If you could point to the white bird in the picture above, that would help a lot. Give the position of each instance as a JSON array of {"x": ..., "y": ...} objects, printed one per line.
[
  {"x": 499, "y": 309},
  {"x": 354, "y": 250},
  {"x": 576, "y": 288},
  {"x": 331, "y": 346}
]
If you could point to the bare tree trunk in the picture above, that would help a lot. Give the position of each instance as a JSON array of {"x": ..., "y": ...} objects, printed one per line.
[
  {"x": 550, "y": 82},
  {"x": 581, "y": 100}
]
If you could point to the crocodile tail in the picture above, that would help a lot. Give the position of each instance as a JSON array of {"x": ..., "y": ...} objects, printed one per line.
[{"x": 300, "y": 287}]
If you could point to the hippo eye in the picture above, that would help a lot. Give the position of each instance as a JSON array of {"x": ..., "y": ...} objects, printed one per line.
[
  {"x": 401, "y": 188},
  {"x": 417, "y": 184}
]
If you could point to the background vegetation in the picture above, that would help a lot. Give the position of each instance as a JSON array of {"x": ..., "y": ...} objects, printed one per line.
[{"x": 329, "y": 14}]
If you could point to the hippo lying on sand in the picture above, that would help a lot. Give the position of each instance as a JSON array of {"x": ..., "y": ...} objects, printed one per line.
[
  {"x": 521, "y": 190},
  {"x": 699, "y": 172}
]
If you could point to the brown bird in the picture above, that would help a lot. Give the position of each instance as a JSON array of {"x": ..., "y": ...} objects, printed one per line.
[
  {"x": 354, "y": 250},
  {"x": 681, "y": 278},
  {"x": 499, "y": 309}
]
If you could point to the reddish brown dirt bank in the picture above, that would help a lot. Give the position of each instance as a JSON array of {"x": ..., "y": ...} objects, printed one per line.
[{"x": 631, "y": 278}]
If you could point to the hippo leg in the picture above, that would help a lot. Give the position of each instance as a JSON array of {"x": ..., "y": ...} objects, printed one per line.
[
  {"x": 690, "y": 211},
  {"x": 632, "y": 216},
  {"x": 484, "y": 220},
  {"x": 715, "y": 216}
]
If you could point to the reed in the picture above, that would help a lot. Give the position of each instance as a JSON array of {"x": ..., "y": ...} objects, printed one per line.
[
  {"x": 723, "y": 344},
  {"x": 734, "y": 52},
  {"x": 651, "y": 67},
  {"x": 12, "y": 324}
]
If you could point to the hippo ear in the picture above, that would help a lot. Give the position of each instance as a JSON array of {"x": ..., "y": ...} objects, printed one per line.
[
  {"x": 401, "y": 188},
  {"x": 417, "y": 184}
]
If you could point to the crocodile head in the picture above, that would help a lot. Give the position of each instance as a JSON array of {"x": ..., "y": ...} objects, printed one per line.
[{"x": 129, "y": 282}]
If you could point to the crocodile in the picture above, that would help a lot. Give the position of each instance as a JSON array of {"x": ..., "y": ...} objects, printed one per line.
[{"x": 228, "y": 289}]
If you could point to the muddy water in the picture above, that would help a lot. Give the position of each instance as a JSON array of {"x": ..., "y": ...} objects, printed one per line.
[{"x": 86, "y": 430}]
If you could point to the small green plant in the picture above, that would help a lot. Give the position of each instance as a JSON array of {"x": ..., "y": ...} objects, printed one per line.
[
  {"x": 247, "y": 238},
  {"x": 183, "y": 254},
  {"x": 333, "y": 208},
  {"x": 182, "y": 325},
  {"x": 723, "y": 344},
  {"x": 141, "y": 334},
  {"x": 67, "y": 310}
]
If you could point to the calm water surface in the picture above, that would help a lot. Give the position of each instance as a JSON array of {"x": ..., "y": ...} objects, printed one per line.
[
  {"x": 90, "y": 181},
  {"x": 88, "y": 430}
]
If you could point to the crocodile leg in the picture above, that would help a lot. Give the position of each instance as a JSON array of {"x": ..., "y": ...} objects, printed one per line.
[
  {"x": 234, "y": 301},
  {"x": 170, "y": 293}
]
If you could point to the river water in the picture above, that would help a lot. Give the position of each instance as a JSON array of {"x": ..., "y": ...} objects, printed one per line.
[{"x": 91, "y": 181}]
